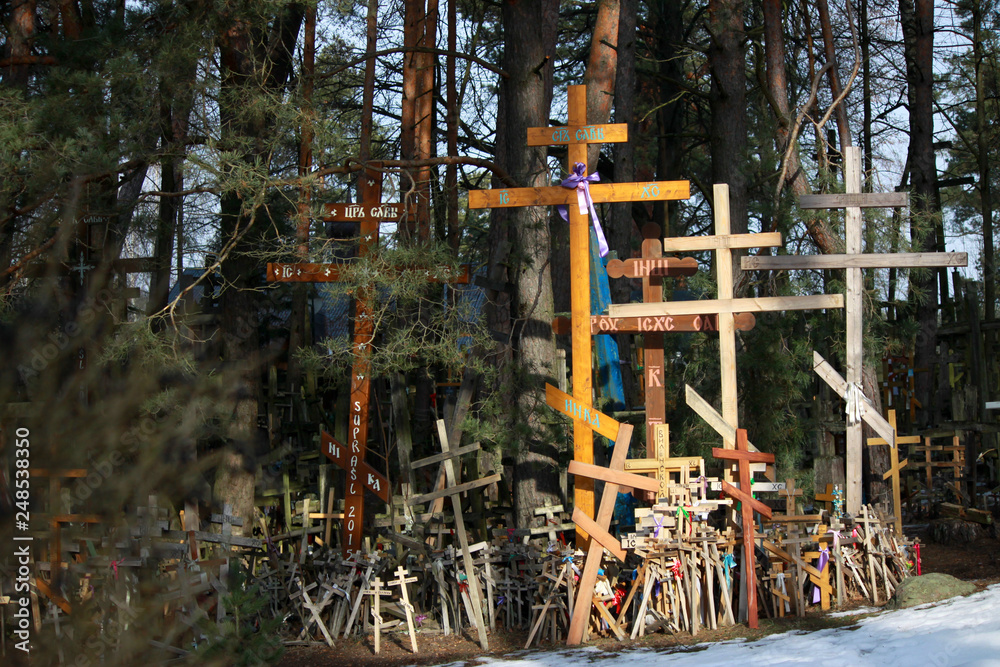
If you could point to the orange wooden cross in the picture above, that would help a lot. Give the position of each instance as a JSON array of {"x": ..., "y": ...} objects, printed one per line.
[
  {"x": 576, "y": 136},
  {"x": 748, "y": 504}
]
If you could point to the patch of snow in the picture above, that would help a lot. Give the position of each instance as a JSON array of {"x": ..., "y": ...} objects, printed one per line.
[
  {"x": 853, "y": 612},
  {"x": 961, "y": 632}
]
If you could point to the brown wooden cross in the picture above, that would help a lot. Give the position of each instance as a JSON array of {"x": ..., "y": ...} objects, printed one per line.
[
  {"x": 360, "y": 476},
  {"x": 723, "y": 243},
  {"x": 369, "y": 213},
  {"x": 743, "y": 456},
  {"x": 852, "y": 201},
  {"x": 576, "y": 136},
  {"x": 896, "y": 466}
]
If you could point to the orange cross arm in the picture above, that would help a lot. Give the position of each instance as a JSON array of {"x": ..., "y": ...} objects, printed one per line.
[
  {"x": 554, "y": 195},
  {"x": 578, "y": 134},
  {"x": 736, "y": 455},
  {"x": 363, "y": 212}
]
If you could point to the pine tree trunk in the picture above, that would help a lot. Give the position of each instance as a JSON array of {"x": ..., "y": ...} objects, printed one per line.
[
  {"x": 248, "y": 63},
  {"x": 524, "y": 101},
  {"x": 917, "y": 17},
  {"x": 727, "y": 102},
  {"x": 622, "y": 231}
]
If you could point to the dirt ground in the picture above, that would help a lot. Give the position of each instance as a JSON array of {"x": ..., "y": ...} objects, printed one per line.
[{"x": 978, "y": 562}]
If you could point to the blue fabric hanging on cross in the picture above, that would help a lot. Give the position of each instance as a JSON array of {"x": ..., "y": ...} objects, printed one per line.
[{"x": 609, "y": 372}]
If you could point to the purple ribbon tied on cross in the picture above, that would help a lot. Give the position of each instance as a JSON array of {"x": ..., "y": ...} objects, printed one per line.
[
  {"x": 658, "y": 520},
  {"x": 824, "y": 558},
  {"x": 581, "y": 183}
]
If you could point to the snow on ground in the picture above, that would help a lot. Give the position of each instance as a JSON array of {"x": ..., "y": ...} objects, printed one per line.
[{"x": 962, "y": 632}]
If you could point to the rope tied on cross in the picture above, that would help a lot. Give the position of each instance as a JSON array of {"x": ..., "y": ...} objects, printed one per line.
[{"x": 581, "y": 183}]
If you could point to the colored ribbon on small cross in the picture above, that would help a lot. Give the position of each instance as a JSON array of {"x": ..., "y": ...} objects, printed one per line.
[
  {"x": 581, "y": 184},
  {"x": 824, "y": 558},
  {"x": 729, "y": 562},
  {"x": 836, "y": 539},
  {"x": 658, "y": 520},
  {"x": 114, "y": 566},
  {"x": 784, "y": 590}
]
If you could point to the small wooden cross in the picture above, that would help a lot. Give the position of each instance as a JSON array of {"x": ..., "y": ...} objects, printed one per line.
[
  {"x": 852, "y": 201},
  {"x": 790, "y": 493},
  {"x": 401, "y": 580},
  {"x": 377, "y": 592},
  {"x": 827, "y": 498},
  {"x": 895, "y": 467},
  {"x": 661, "y": 464},
  {"x": 743, "y": 456},
  {"x": 576, "y": 136}
]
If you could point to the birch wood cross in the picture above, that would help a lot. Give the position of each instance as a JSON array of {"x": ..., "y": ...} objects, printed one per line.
[{"x": 852, "y": 201}]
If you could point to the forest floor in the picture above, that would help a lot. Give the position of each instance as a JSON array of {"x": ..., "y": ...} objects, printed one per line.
[{"x": 978, "y": 562}]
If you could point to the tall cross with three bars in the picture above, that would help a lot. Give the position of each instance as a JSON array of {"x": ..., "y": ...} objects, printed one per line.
[
  {"x": 576, "y": 135},
  {"x": 852, "y": 201}
]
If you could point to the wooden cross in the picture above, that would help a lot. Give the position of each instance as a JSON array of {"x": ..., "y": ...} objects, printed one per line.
[
  {"x": 401, "y": 580},
  {"x": 895, "y": 468},
  {"x": 453, "y": 491},
  {"x": 661, "y": 464},
  {"x": 826, "y": 498},
  {"x": 743, "y": 456},
  {"x": 852, "y": 201},
  {"x": 576, "y": 136},
  {"x": 360, "y": 476},
  {"x": 598, "y": 528},
  {"x": 652, "y": 267},
  {"x": 790, "y": 493},
  {"x": 368, "y": 213},
  {"x": 376, "y": 591},
  {"x": 726, "y": 305}
]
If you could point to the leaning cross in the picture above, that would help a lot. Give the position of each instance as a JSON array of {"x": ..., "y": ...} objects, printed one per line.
[
  {"x": 613, "y": 476},
  {"x": 401, "y": 581},
  {"x": 743, "y": 456},
  {"x": 895, "y": 468},
  {"x": 576, "y": 136},
  {"x": 852, "y": 201}
]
